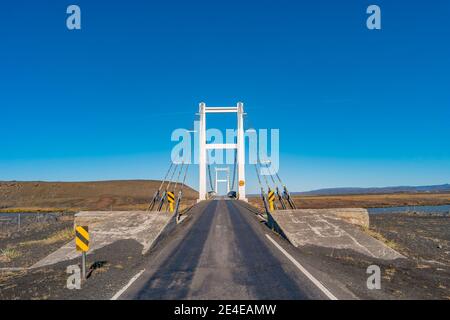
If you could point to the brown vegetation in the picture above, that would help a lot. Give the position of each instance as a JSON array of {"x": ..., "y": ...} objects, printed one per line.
[
  {"x": 73, "y": 196},
  {"x": 374, "y": 200},
  {"x": 367, "y": 200}
]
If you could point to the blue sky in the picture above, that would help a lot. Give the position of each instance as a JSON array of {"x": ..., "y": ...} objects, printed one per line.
[{"x": 354, "y": 107}]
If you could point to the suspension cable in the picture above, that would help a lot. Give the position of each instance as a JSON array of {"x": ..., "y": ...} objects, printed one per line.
[
  {"x": 209, "y": 171},
  {"x": 157, "y": 192},
  {"x": 285, "y": 190},
  {"x": 165, "y": 177},
  {"x": 263, "y": 197},
  {"x": 180, "y": 193},
  {"x": 275, "y": 188},
  {"x": 184, "y": 178},
  {"x": 259, "y": 179},
  {"x": 287, "y": 195},
  {"x": 265, "y": 178},
  {"x": 271, "y": 176},
  {"x": 174, "y": 181},
  {"x": 178, "y": 178},
  {"x": 171, "y": 178},
  {"x": 280, "y": 196},
  {"x": 234, "y": 169},
  {"x": 164, "y": 196},
  {"x": 279, "y": 179}
]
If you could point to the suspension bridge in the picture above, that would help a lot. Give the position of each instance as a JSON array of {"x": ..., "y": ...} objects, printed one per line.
[
  {"x": 222, "y": 247},
  {"x": 168, "y": 198}
]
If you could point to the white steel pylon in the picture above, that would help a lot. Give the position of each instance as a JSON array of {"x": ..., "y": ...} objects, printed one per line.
[
  {"x": 227, "y": 180},
  {"x": 240, "y": 146}
]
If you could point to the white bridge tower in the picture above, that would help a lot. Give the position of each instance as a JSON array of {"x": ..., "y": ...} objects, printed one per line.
[
  {"x": 227, "y": 180},
  {"x": 240, "y": 146}
]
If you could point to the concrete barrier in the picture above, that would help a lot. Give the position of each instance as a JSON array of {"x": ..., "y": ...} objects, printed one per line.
[
  {"x": 108, "y": 227},
  {"x": 330, "y": 228}
]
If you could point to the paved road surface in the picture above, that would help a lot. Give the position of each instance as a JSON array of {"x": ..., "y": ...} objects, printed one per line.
[{"x": 222, "y": 252}]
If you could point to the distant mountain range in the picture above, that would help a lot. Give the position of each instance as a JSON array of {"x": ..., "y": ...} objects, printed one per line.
[{"x": 399, "y": 189}]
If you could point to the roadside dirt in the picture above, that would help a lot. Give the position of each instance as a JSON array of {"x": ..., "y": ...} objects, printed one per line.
[
  {"x": 112, "y": 267},
  {"x": 23, "y": 248},
  {"x": 424, "y": 238},
  {"x": 425, "y": 273}
]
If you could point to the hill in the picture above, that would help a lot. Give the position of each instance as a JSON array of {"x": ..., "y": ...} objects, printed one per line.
[
  {"x": 94, "y": 195},
  {"x": 443, "y": 188}
]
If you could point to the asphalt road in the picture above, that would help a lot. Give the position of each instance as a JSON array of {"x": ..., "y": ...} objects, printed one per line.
[{"x": 223, "y": 251}]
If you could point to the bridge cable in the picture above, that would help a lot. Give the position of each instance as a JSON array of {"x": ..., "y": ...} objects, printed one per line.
[
  {"x": 279, "y": 195},
  {"x": 157, "y": 192},
  {"x": 178, "y": 177},
  {"x": 164, "y": 196},
  {"x": 209, "y": 171},
  {"x": 180, "y": 193},
  {"x": 286, "y": 193},
  {"x": 234, "y": 169},
  {"x": 263, "y": 197},
  {"x": 176, "y": 182},
  {"x": 265, "y": 178},
  {"x": 184, "y": 178},
  {"x": 267, "y": 182}
]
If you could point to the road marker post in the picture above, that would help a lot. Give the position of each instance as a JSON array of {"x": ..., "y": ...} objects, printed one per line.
[
  {"x": 82, "y": 245},
  {"x": 171, "y": 200},
  {"x": 271, "y": 196}
]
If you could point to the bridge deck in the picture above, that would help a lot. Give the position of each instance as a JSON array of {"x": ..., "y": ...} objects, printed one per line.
[{"x": 223, "y": 252}]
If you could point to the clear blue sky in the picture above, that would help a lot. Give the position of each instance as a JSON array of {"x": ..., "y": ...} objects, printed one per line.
[{"x": 354, "y": 107}]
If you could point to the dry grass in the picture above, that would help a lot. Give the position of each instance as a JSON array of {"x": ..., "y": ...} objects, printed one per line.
[
  {"x": 391, "y": 244},
  {"x": 373, "y": 200},
  {"x": 9, "y": 254},
  {"x": 36, "y": 210},
  {"x": 184, "y": 204},
  {"x": 90, "y": 195},
  {"x": 62, "y": 235},
  {"x": 389, "y": 273},
  {"x": 366, "y": 200},
  {"x": 7, "y": 275}
]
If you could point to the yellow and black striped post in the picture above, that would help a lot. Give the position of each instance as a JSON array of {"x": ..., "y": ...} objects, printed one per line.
[
  {"x": 271, "y": 197},
  {"x": 82, "y": 244},
  {"x": 82, "y": 238},
  {"x": 171, "y": 200}
]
